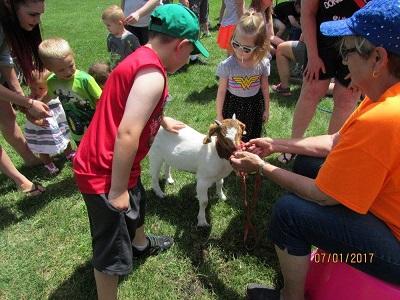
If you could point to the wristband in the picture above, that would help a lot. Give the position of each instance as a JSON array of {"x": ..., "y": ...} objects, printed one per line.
[{"x": 261, "y": 168}]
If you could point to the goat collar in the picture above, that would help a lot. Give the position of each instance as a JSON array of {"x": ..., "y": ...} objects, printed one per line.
[{"x": 224, "y": 151}]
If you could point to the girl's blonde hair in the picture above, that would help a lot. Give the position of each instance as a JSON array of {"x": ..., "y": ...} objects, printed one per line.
[
  {"x": 54, "y": 48},
  {"x": 252, "y": 23},
  {"x": 113, "y": 13},
  {"x": 256, "y": 5}
]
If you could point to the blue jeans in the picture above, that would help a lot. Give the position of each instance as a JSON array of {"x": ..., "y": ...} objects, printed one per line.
[{"x": 296, "y": 224}]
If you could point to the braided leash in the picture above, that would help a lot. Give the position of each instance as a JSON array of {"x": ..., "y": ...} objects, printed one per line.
[{"x": 249, "y": 205}]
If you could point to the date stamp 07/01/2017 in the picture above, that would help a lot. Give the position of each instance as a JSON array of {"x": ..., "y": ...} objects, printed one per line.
[{"x": 348, "y": 258}]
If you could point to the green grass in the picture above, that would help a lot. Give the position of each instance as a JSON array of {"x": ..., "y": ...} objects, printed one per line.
[{"x": 45, "y": 244}]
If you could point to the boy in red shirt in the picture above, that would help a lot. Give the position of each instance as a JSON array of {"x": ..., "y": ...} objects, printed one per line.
[{"x": 127, "y": 117}]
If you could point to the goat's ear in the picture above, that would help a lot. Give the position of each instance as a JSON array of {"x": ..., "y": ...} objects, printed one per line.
[
  {"x": 211, "y": 131},
  {"x": 243, "y": 127}
]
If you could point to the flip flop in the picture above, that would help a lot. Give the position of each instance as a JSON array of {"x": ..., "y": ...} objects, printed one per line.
[{"x": 36, "y": 190}]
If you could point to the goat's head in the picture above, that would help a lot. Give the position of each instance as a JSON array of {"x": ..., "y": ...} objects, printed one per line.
[{"x": 229, "y": 134}]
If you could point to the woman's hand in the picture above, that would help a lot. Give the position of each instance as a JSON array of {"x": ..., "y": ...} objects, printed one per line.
[
  {"x": 265, "y": 116},
  {"x": 132, "y": 19},
  {"x": 313, "y": 68},
  {"x": 172, "y": 125},
  {"x": 38, "y": 109},
  {"x": 261, "y": 146},
  {"x": 243, "y": 161},
  {"x": 120, "y": 201}
]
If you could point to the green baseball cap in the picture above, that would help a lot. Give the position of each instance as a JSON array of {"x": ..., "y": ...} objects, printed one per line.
[{"x": 178, "y": 21}]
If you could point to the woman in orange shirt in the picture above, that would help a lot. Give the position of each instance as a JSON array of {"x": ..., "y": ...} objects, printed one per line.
[{"x": 345, "y": 188}]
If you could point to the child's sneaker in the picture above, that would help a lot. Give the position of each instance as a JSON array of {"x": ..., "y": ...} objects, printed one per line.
[
  {"x": 51, "y": 167},
  {"x": 156, "y": 244},
  {"x": 281, "y": 90}
]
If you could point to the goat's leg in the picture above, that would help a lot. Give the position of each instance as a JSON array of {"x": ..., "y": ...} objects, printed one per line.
[
  {"x": 167, "y": 174},
  {"x": 219, "y": 184},
  {"x": 201, "y": 189},
  {"x": 155, "y": 167}
]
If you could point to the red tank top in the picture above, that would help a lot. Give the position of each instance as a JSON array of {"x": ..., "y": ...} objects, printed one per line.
[{"x": 93, "y": 160}]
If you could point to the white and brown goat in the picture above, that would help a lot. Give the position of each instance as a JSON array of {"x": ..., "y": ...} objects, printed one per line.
[{"x": 206, "y": 156}]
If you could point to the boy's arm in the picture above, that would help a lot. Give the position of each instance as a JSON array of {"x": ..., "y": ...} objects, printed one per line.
[
  {"x": 221, "y": 93},
  {"x": 265, "y": 92},
  {"x": 94, "y": 90},
  {"x": 139, "y": 107}
]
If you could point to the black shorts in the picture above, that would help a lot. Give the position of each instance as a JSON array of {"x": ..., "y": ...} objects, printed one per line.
[
  {"x": 333, "y": 64},
  {"x": 113, "y": 231}
]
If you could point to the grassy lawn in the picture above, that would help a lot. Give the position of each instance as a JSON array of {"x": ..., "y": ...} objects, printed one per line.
[{"x": 45, "y": 245}]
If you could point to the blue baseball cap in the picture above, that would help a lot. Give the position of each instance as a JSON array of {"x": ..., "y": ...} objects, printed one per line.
[{"x": 378, "y": 22}]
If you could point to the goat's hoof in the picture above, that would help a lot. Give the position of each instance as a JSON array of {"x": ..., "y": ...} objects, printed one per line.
[
  {"x": 223, "y": 197},
  {"x": 170, "y": 180},
  {"x": 203, "y": 224},
  {"x": 159, "y": 194}
]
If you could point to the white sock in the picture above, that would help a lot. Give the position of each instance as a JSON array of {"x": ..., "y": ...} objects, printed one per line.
[{"x": 140, "y": 248}]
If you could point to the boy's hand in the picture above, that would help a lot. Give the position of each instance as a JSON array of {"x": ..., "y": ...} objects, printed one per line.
[
  {"x": 172, "y": 125},
  {"x": 120, "y": 201}
]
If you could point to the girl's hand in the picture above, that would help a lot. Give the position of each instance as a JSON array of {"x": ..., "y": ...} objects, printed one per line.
[
  {"x": 247, "y": 162},
  {"x": 265, "y": 116},
  {"x": 38, "y": 109},
  {"x": 120, "y": 201},
  {"x": 261, "y": 146},
  {"x": 220, "y": 117}
]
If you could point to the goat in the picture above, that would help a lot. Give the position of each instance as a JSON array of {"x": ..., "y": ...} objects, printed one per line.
[{"x": 206, "y": 156}]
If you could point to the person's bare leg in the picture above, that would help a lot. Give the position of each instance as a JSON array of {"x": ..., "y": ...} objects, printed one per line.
[
  {"x": 8, "y": 169},
  {"x": 284, "y": 54},
  {"x": 310, "y": 95},
  {"x": 294, "y": 270},
  {"x": 13, "y": 135},
  {"x": 345, "y": 101},
  {"x": 140, "y": 237},
  {"x": 280, "y": 26},
  {"x": 107, "y": 286}
]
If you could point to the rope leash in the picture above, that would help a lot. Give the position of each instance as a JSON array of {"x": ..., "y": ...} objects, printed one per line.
[{"x": 249, "y": 205}]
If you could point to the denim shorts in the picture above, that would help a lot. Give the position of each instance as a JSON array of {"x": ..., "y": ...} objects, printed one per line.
[
  {"x": 113, "y": 230},
  {"x": 297, "y": 224}
]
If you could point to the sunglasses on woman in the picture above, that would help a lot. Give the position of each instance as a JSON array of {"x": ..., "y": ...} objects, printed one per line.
[{"x": 245, "y": 49}]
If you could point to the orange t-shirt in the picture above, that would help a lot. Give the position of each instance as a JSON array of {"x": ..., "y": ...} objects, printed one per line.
[{"x": 362, "y": 172}]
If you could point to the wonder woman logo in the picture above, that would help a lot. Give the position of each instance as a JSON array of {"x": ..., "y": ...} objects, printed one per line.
[{"x": 246, "y": 81}]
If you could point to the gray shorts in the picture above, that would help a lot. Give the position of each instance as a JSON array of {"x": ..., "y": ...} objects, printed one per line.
[{"x": 300, "y": 52}]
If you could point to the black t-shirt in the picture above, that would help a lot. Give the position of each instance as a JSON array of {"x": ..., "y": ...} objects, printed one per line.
[
  {"x": 283, "y": 10},
  {"x": 333, "y": 10}
]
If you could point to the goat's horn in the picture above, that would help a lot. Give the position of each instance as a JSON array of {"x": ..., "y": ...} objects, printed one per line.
[
  {"x": 234, "y": 117},
  {"x": 218, "y": 122}
]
